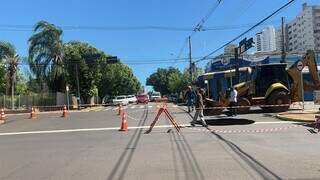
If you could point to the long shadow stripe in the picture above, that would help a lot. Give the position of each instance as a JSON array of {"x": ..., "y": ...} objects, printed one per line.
[{"x": 130, "y": 148}]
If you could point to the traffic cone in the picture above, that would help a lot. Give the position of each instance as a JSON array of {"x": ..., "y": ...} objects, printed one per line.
[
  {"x": 124, "y": 122},
  {"x": 65, "y": 113},
  {"x": 119, "y": 109},
  {"x": 33, "y": 113},
  {"x": 2, "y": 117}
]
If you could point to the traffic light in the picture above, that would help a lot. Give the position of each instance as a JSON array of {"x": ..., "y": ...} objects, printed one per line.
[
  {"x": 249, "y": 43},
  {"x": 112, "y": 59}
]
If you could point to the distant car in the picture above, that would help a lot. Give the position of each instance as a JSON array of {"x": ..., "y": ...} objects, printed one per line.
[
  {"x": 132, "y": 98},
  {"x": 154, "y": 96},
  {"x": 120, "y": 100},
  {"x": 107, "y": 100},
  {"x": 173, "y": 98},
  {"x": 142, "y": 99}
]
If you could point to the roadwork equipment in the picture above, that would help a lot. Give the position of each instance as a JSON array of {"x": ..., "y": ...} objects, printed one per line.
[
  {"x": 124, "y": 122},
  {"x": 65, "y": 113}
]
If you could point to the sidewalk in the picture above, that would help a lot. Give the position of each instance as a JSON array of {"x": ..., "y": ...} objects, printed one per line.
[{"x": 308, "y": 115}]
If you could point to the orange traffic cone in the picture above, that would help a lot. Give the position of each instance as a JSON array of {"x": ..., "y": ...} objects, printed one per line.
[
  {"x": 33, "y": 113},
  {"x": 124, "y": 122},
  {"x": 2, "y": 116},
  {"x": 119, "y": 109},
  {"x": 65, "y": 113}
]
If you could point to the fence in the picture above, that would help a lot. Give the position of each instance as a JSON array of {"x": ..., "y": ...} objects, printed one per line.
[
  {"x": 45, "y": 101},
  {"x": 26, "y": 101}
]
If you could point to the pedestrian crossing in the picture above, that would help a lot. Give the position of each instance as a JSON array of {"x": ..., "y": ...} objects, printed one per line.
[{"x": 128, "y": 107}]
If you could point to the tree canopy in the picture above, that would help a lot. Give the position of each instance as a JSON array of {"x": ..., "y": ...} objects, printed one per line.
[
  {"x": 167, "y": 81},
  {"x": 46, "y": 55},
  {"x": 117, "y": 79}
]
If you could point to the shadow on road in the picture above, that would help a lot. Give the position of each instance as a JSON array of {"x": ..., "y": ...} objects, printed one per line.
[
  {"x": 228, "y": 121},
  {"x": 190, "y": 165},
  {"x": 123, "y": 162},
  {"x": 254, "y": 164}
]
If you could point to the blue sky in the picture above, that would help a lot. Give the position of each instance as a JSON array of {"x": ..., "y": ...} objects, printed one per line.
[{"x": 142, "y": 45}]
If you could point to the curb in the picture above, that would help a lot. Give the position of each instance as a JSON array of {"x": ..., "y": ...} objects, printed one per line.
[{"x": 292, "y": 119}]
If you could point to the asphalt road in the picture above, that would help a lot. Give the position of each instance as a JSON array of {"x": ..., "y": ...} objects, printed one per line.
[{"x": 88, "y": 145}]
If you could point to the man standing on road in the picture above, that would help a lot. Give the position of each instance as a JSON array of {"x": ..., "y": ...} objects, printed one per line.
[
  {"x": 233, "y": 101},
  {"x": 190, "y": 99},
  {"x": 199, "y": 108}
]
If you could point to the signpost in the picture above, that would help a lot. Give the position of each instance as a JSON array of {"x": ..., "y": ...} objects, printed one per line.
[
  {"x": 67, "y": 91},
  {"x": 300, "y": 67},
  {"x": 207, "y": 83}
]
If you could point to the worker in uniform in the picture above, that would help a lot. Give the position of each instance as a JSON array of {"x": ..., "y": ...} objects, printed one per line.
[
  {"x": 199, "y": 108},
  {"x": 190, "y": 96},
  {"x": 233, "y": 101}
]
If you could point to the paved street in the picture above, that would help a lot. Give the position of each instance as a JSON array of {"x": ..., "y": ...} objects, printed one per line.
[{"x": 88, "y": 145}]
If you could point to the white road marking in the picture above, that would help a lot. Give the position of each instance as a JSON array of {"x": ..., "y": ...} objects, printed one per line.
[
  {"x": 132, "y": 107},
  {"x": 106, "y": 109},
  {"x": 150, "y": 106},
  {"x": 275, "y": 122},
  {"x": 83, "y": 130},
  {"x": 141, "y": 106}
]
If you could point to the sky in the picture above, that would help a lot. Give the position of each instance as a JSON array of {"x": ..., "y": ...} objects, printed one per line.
[{"x": 136, "y": 47}]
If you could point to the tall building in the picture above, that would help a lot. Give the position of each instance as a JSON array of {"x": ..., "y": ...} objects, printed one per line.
[
  {"x": 279, "y": 40},
  {"x": 304, "y": 30},
  {"x": 266, "y": 40},
  {"x": 229, "y": 49},
  {"x": 259, "y": 41}
]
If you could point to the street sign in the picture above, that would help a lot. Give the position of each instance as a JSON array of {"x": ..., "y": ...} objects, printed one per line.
[
  {"x": 300, "y": 65},
  {"x": 316, "y": 97},
  {"x": 67, "y": 88}
]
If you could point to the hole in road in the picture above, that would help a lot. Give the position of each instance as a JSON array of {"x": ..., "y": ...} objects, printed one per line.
[{"x": 228, "y": 121}]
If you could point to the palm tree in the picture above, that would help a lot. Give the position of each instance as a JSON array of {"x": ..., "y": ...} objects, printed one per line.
[
  {"x": 45, "y": 55},
  {"x": 8, "y": 53}
]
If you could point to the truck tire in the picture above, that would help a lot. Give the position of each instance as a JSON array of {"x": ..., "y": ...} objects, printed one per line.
[
  {"x": 243, "y": 102},
  {"x": 278, "y": 97},
  {"x": 210, "y": 110}
]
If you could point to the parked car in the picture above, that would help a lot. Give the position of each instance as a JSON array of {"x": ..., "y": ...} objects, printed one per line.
[
  {"x": 154, "y": 96},
  {"x": 173, "y": 98},
  {"x": 120, "y": 100},
  {"x": 143, "y": 98},
  {"x": 132, "y": 98}
]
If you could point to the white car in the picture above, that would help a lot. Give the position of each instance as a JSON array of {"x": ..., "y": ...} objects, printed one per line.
[
  {"x": 120, "y": 100},
  {"x": 132, "y": 98},
  {"x": 154, "y": 96}
]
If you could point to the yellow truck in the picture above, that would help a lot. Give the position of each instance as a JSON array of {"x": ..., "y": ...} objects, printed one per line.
[{"x": 270, "y": 86}]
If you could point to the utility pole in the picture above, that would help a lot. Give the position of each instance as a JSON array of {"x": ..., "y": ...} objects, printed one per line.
[
  {"x": 78, "y": 86},
  {"x": 236, "y": 56},
  {"x": 190, "y": 59},
  {"x": 283, "y": 52}
]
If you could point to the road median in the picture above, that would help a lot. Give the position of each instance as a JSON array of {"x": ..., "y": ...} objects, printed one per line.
[{"x": 300, "y": 116}]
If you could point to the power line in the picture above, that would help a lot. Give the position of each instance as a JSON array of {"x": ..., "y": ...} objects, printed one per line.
[
  {"x": 128, "y": 28},
  {"x": 250, "y": 29},
  {"x": 199, "y": 26}
]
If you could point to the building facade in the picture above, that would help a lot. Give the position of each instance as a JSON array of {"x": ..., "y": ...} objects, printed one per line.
[
  {"x": 266, "y": 40},
  {"x": 303, "y": 32}
]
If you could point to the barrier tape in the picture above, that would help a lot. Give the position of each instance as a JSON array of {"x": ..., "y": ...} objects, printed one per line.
[
  {"x": 276, "y": 129},
  {"x": 239, "y": 107}
]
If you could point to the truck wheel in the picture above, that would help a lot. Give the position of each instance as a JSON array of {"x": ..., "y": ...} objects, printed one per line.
[
  {"x": 243, "y": 102},
  {"x": 278, "y": 98}
]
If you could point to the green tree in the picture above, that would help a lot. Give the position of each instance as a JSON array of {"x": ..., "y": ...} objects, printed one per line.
[
  {"x": 177, "y": 82},
  {"x": 9, "y": 54},
  {"x": 2, "y": 78},
  {"x": 46, "y": 55},
  {"x": 117, "y": 79},
  {"x": 83, "y": 60},
  {"x": 160, "y": 79}
]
